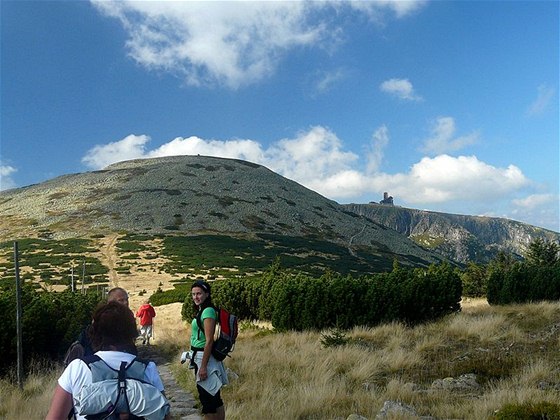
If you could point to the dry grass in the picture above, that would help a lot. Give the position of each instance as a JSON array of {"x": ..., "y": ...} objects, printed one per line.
[
  {"x": 34, "y": 400},
  {"x": 513, "y": 350}
]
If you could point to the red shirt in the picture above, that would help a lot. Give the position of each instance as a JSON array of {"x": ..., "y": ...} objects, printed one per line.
[{"x": 146, "y": 313}]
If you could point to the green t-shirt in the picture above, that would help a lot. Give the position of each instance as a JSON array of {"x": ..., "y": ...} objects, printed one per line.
[{"x": 199, "y": 340}]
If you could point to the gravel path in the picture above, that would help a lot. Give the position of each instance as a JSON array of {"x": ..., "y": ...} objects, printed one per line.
[{"x": 182, "y": 402}]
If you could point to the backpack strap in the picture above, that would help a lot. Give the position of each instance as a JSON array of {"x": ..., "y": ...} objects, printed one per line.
[
  {"x": 199, "y": 319},
  {"x": 122, "y": 386},
  {"x": 133, "y": 370}
]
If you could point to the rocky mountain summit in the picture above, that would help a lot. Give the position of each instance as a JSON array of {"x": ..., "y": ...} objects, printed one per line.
[{"x": 194, "y": 195}]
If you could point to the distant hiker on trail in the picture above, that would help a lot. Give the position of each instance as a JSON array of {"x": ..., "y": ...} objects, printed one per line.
[
  {"x": 113, "y": 332},
  {"x": 82, "y": 346},
  {"x": 210, "y": 374},
  {"x": 118, "y": 294},
  {"x": 146, "y": 313}
]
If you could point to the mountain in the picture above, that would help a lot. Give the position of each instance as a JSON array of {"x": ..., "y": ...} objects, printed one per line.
[
  {"x": 458, "y": 237},
  {"x": 199, "y": 195}
]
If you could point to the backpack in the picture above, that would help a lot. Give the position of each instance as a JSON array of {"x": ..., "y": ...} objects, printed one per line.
[
  {"x": 120, "y": 391},
  {"x": 227, "y": 334},
  {"x": 75, "y": 351},
  {"x": 79, "y": 348}
]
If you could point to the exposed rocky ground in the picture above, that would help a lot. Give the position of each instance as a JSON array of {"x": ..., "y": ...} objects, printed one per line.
[
  {"x": 458, "y": 237},
  {"x": 183, "y": 403}
]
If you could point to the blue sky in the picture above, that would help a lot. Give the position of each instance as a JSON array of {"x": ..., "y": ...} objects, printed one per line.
[{"x": 448, "y": 106}]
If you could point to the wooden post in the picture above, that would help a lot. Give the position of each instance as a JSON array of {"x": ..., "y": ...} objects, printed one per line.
[
  {"x": 72, "y": 276},
  {"x": 19, "y": 313},
  {"x": 83, "y": 276}
]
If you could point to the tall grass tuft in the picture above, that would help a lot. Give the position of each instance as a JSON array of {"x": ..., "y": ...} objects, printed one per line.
[{"x": 33, "y": 401}]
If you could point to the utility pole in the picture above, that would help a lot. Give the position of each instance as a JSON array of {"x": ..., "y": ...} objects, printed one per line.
[{"x": 19, "y": 313}]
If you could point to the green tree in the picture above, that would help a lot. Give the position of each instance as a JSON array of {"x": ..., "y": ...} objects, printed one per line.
[
  {"x": 475, "y": 280},
  {"x": 543, "y": 252}
]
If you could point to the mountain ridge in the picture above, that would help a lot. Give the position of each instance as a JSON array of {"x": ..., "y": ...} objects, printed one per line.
[
  {"x": 462, "y": 238},
  {"x": 194, "y": 195}
]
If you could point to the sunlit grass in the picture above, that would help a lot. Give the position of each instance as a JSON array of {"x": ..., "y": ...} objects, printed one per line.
[{"x": 512, "y": 350}]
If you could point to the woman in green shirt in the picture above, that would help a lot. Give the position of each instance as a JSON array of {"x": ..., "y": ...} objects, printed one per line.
[{"x": 210, "y": 374}]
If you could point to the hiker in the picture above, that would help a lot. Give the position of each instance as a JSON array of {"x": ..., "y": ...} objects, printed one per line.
[
  {"x": 113, "y": 332},
  {"x": 146, "y": 313},
  {"x": 210, "y": 374},
  {"x": 82, "y": 346},
  {"x": 118, "y": 294}
]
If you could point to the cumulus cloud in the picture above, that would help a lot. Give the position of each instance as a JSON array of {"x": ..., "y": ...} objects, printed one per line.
[
  {"x": 131, "y": 147},
  {"x": 401, "y": 88},
  {"x": 317, "y": 159},
  {"x": 230, "y": 43},
  {"x": 544, "y": 97},
  {"x": 464, "y": 178},
  {"x": 6, "y": 181},
  {"x": 442, "y": 138},
  {"x": 235, "y": 149}
]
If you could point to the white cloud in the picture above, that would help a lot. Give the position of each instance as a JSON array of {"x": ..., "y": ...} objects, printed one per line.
[
  {"x": 312, "y": 156},
  {"x": 230, "y": 43},
  {"x": 235, "y": 149},
  {"x": 544, "y": 97},
  {"x": 538, "y": 209},
  {"x": 465, "y": 178},
  {"x": 399, "y": 7},
  {"x": 317, "y": 159},
  {"x": 6, "y": 181},
  {"x": 131, "y": 147},
  {"x": 442, "y": 138},
  {"x": 401, "y": 88},
  {"x": 379, "y": 142},
  {"x": 535, "y": 200},
  {"x": 327, "y": 80}
]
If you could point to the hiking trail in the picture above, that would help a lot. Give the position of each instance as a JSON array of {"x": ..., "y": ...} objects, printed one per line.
[
  {"x": 182, "y": 402},
  {"x": 109, "y": 256}
]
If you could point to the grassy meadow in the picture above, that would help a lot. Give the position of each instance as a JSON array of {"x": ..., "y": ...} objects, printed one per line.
[{"x": 513, "y": 351}]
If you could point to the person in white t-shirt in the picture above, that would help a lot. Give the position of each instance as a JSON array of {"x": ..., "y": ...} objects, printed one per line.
[{"x": 113, "y": 335}]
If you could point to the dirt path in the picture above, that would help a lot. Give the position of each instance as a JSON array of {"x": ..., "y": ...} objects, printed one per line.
[{"x": 109, "y": 258}]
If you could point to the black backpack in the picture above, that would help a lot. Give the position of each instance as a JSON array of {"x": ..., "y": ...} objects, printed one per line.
[{"x": 227, "y": 335}]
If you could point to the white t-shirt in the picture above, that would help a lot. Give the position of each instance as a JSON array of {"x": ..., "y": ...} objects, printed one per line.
[{"x": 77, "y": 373}]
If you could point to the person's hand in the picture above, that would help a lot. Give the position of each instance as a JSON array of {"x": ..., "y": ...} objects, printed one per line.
[{"x": 203, "y": 373}]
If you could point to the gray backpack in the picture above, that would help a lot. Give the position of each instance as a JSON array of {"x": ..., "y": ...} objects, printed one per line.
[{"x": 113, "y": 392}]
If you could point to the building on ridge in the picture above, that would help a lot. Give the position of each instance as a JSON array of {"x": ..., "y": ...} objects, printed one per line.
[{"x": 387, "y": 199}]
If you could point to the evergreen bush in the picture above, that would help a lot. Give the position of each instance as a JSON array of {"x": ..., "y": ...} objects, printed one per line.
[
  {"x": 50, "y": 322},
  {"x": 529, "y": 411}
]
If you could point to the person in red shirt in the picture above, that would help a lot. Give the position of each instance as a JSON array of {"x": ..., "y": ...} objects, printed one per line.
[{"x": 146, "y": 313}]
